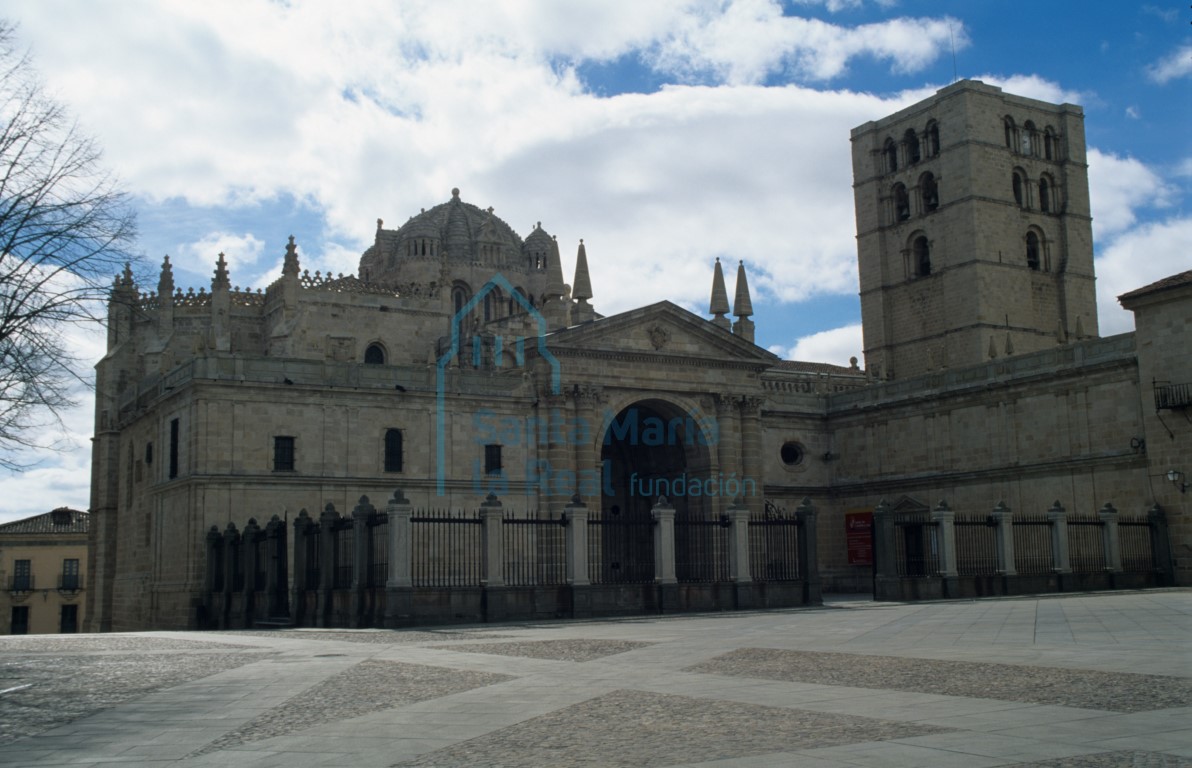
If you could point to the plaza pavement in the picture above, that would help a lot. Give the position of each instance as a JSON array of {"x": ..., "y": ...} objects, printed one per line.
[{"x": 1080, "y": 680}]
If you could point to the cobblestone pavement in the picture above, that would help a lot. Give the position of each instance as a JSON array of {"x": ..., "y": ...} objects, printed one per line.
[{"x": 1060, "y": 682}]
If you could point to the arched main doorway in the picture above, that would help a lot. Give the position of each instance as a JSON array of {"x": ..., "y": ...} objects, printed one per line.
[{"x": 651, "y": 448}]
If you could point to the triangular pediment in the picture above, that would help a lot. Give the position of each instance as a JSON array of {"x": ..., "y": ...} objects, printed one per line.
[{"x": 663, "y": 330}]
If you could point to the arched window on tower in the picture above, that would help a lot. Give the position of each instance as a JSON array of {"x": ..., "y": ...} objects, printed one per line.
[
  {"x": 1017, "y": 184},
  {"x": 1044, "y": 194},
  {"x": 374, "y": 355},
  {"x": 1030, "y": 139},
  {"x": 891, "y": 154},
  {"x": 1011, "y": 132},
  {"x": 933, "y": 139},
  {"x": 921, "y": 256},
  {"x": 902, "y": 203},
  {"x": 930, "y": 190},
  {"x": 911, "y": 140},
  {"x": 459, "y": 297},
  {"x": 1049, "y": 145},
  {"x": 1032, "y": 250}
]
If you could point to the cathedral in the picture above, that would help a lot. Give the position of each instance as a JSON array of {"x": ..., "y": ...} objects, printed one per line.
[{"x": 457, "y": 363}]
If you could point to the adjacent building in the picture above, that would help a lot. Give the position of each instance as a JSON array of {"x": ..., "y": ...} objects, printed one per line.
[{"x": 43, "y": 560}]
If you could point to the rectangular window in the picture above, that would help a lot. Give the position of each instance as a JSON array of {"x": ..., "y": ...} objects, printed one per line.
[
  {"x": 68, "y": 622},
  {"x": 70, "y": 574},
  {"x": 20, "y": 620},
  {"x": 283, "y": 454},
  {"x": 173, "y": 448},
  {"x": 149, "y": 453},
  {"x": 22, "y": 575},
  {"x": 393, "y": 450},
  {"x": 492, "y": 459}
]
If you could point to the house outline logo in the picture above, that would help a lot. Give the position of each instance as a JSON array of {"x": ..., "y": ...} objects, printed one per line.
[{"x": 497, "y": 281}]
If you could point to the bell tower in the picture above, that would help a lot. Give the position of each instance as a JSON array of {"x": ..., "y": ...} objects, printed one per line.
[{"x": 974, "y": 238}]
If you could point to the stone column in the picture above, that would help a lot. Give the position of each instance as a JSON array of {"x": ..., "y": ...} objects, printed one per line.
[
  {"x": 1109, "y": 538},
  {"x": 1005, "y": 539},
  {"x": 885, "y": 564},
  {"x": 806, "y": 514},
  {"x": 751, "y": 453},
  {"x": 728, "y": 447},
  {"x": 588, "y": 420},
  {"x": 361, "y": 559},
  {"x": 558, "y": 454},
  {"x": 577, "y": 542},
  {"x": 664, "y": 542},
  {"x": 399, "y": 587},
  {"x": 1058, "y": 519}
]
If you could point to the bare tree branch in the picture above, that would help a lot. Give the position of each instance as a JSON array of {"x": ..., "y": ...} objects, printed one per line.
[{"x": 65, "y": 229}]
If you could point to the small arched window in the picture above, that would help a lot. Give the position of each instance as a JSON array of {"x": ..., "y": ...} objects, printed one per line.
[
  {"x": 1044, "y": 195},
  {"x": 1032, "y": 250},
  {"x": 374, "y": 355},
  {"x": 1030, "y": 139},
  {"x": 902, "y": 203},
  {"x": 459, "y": 297},
  {"x": 921, "y": 254},
  {"x": 911, "y": 140},
  {"x": 1011, "y": 132},
  {"x": 1017, "y": 185},
  {"x": 929, "y": 189},
  {"x": 1049, "y": 146},
  {"x": 891, "y": 154},
  {"x": 933, "y": 139}
]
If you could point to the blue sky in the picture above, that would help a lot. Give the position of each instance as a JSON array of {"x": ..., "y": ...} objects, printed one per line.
[{"x": 665, "y": 134}]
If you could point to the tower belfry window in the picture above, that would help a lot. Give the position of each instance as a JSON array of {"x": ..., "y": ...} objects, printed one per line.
[
  {"x": 912, "y": 146},
  {"x": 1017, "y": 184},
  {"x": 929, "y": 189},
  {"x": 1044, "y": 195},
  {"x": 902, "y": 203},
  {"x": 1032, "y": 250},
  {"x": 921, "y": 253},
  {"x": 891, "y": 154},
  {"x": 933, "y": 140}
]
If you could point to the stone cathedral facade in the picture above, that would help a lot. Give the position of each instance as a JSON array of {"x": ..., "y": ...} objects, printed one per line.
[{"x": 457, "y": 362}]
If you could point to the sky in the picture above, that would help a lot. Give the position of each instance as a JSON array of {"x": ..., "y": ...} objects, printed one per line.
[{"x": 664, "y": 133}]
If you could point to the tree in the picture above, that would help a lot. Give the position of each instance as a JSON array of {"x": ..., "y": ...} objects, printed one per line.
[{"x": 65, "y": 229}]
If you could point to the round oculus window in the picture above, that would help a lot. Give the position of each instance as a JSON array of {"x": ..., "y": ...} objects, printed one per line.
[{"x": 791, "y": 453}]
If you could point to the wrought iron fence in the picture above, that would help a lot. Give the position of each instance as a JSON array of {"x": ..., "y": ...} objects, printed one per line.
[
  {"x": 620, "y": 548},
  {"x": 1032, "y": 544},
  {"x": 701, "y": 548},
  {"x": 1134, "y": 538},
  {"x": 1086, "y": 551},
  {"x": 535, "y": 549},
  {"x": 311, "y": 540},
  {"x": 773, "y": 548},
  {"x": 260, "y": 561},
  {"x": 447, "y": 549},
  {"x": 916, "y": 545},
  {"x": 976, "y": 545}
]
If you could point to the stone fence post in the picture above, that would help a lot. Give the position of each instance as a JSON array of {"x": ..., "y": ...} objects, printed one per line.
[
  {"x": 327, "y": 536},
  {"x": 362, "y": 514},
  {"x": 1160, "y": 546},
  {"x": 806, "y": 514},
  {"x": 1058, "y": 519},
  {"x": 214, "y": 548},
  {"x": 885, "y": 564},
  {"x": 577, "y": 542},
  {"x": 400, "y": 585},
  {"x": 664, "y": 542},
  {"x": 945, "y": 531},
  {"x": 492, "y": 541},
  {"x": 231, "y": 563},
  {"x": 302, "y": 525},
  {"x": 1109, "y": 538},
  {"x": 1004, "y": 532},
  {"x": 738, "y": 543},
  {"x": 275, "y": 572},
  {"x": 248, "y": 551}
]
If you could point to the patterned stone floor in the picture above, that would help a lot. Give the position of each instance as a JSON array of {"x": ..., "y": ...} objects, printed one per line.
[{"x": 1061, "y": 682}]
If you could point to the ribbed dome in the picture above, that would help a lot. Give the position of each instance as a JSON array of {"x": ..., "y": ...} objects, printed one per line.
[
  {"x": 538, "y": 241},
  {"x": 458, "y": 226}
]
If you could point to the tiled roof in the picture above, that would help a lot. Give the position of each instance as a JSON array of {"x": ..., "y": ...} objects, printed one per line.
[
  {"x": 61, "y": 520},
  {"x": 1174, "y": 281}
]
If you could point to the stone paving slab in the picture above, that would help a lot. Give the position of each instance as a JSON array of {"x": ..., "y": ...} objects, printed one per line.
[{"x": 851, "y": 684}]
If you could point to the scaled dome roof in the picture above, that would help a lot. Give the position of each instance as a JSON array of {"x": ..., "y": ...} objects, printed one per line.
[{"x": 459, "y": 225}]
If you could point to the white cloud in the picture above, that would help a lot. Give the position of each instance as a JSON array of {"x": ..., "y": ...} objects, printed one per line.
[
  {"x": 1118, "y": 187},
  {"x": 1174, "y": 65},
  {"x": 1136, "y": 258},
  {"x": 241, "y": 253},
  {"x": 834, "y": 346},
  {"x": 1036, "y": 87}
]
